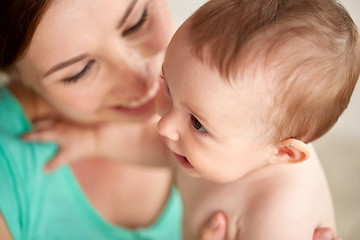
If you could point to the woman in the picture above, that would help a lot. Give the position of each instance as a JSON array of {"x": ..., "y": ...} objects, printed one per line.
[{"x": 92, "y": 63}]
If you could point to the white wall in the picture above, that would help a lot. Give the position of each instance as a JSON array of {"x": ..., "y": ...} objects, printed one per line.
[{"x": 349, "y": 123}]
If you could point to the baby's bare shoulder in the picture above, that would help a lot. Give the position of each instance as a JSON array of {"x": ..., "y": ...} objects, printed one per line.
[{"x": 284, "y": 206}]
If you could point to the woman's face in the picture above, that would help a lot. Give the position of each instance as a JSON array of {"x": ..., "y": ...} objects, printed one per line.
[{"x": 99, "y": 60}]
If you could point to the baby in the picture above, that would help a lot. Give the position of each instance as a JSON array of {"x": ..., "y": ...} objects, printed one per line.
[{"x": 248, "y": 85}]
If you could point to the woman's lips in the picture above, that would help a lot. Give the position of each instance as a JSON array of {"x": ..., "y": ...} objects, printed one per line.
[{"x": 183, "y": 161}]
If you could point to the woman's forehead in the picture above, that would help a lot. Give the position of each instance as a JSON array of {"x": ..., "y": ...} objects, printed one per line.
[{"x": 72, "y": 27}]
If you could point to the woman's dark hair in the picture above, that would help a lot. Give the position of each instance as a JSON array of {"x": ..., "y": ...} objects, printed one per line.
[{"x": 18, "y": 21}]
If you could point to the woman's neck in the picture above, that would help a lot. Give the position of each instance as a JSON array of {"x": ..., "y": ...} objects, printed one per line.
[{"x": 34, "y": 106}]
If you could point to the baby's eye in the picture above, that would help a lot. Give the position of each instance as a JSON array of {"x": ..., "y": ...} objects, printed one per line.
[{"x": 197, "y": 125}]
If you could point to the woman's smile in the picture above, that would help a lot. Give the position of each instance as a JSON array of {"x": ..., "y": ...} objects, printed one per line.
[{"x": 143, "y": 104}]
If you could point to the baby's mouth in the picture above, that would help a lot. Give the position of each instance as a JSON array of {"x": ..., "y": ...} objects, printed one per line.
[{"x": 183, "y": 161}]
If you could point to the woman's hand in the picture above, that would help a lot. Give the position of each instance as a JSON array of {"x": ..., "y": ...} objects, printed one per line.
[{"x": 216, "y": 228}]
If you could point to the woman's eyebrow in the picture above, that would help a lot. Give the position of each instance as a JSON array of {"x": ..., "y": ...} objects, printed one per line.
[
  {"x": 64, "y": 64},
  {"x": 127, "y": 13},
  {"x": 82, "y": 56}
]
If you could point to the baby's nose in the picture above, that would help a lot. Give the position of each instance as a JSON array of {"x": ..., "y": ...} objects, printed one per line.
[{"x": 168, "y": 128}]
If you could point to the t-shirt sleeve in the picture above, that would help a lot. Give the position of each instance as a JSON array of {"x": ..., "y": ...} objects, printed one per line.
[{"x": 20, "y": 167}]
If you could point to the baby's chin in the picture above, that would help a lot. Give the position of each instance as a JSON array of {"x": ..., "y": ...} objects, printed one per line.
[
  {"x": 190, "y": 171},
  {"x": 196, "y": 174}
]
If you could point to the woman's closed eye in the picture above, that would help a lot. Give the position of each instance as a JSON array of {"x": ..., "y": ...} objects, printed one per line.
[
  {"x": 137, "y": 25},
  {"x": 197, "y": 125},
  {"x": 82, "y": 73}
]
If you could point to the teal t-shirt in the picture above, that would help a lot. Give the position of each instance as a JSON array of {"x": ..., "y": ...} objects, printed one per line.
[{"x": 38, "y": 206}]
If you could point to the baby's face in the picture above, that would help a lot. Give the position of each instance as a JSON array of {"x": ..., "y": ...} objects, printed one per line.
[{"x": 210, "y": 124}]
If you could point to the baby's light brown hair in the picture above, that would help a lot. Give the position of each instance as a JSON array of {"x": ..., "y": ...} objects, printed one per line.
[{"x": 306, "y": 50}]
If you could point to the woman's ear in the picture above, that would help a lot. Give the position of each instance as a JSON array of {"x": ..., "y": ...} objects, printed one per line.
[{"x": 290, "y": 151}]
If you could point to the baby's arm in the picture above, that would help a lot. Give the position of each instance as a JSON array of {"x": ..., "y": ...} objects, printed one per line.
[{"x": 135, "y": 143}]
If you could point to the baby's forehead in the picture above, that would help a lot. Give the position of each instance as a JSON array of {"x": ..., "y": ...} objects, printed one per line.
[{"x": 259, "y": 51}]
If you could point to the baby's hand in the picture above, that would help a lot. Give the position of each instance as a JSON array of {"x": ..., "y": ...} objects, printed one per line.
[{"x": 76, "y": 142}]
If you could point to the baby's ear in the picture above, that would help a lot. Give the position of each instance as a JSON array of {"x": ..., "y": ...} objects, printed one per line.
[{"x": 290, "y": 151}]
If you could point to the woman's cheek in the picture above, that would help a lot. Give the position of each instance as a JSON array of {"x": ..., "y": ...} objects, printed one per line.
[
  {"x": 80, "y": 102},
  {"x": 163, "y": 103},
  {"x": 161, "y": 29}
]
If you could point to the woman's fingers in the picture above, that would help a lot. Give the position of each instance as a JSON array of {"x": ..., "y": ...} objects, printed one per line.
[{"x": 215, "y": 228}]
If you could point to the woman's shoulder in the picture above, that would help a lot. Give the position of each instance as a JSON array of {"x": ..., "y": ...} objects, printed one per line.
[
  {"x": 22, "y": 158},
  {"x": 12, "y": 117}
]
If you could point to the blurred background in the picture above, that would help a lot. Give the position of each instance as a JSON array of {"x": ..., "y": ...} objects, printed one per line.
[{"x": 338, "y": 150}]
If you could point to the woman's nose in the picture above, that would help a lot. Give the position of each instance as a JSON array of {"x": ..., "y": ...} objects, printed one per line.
[
  {"x": 168, "y": 127},
  {"x": 131, "y": 74},
  {"x": 132, "y": 81}
]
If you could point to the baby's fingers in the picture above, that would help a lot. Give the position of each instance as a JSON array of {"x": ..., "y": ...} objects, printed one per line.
[
  {"x": 64, "y": 156},
  {"x": 44, "y": 124},
  {"x": 56, "y": 162},
  {"x": 40, "y": 136}
]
